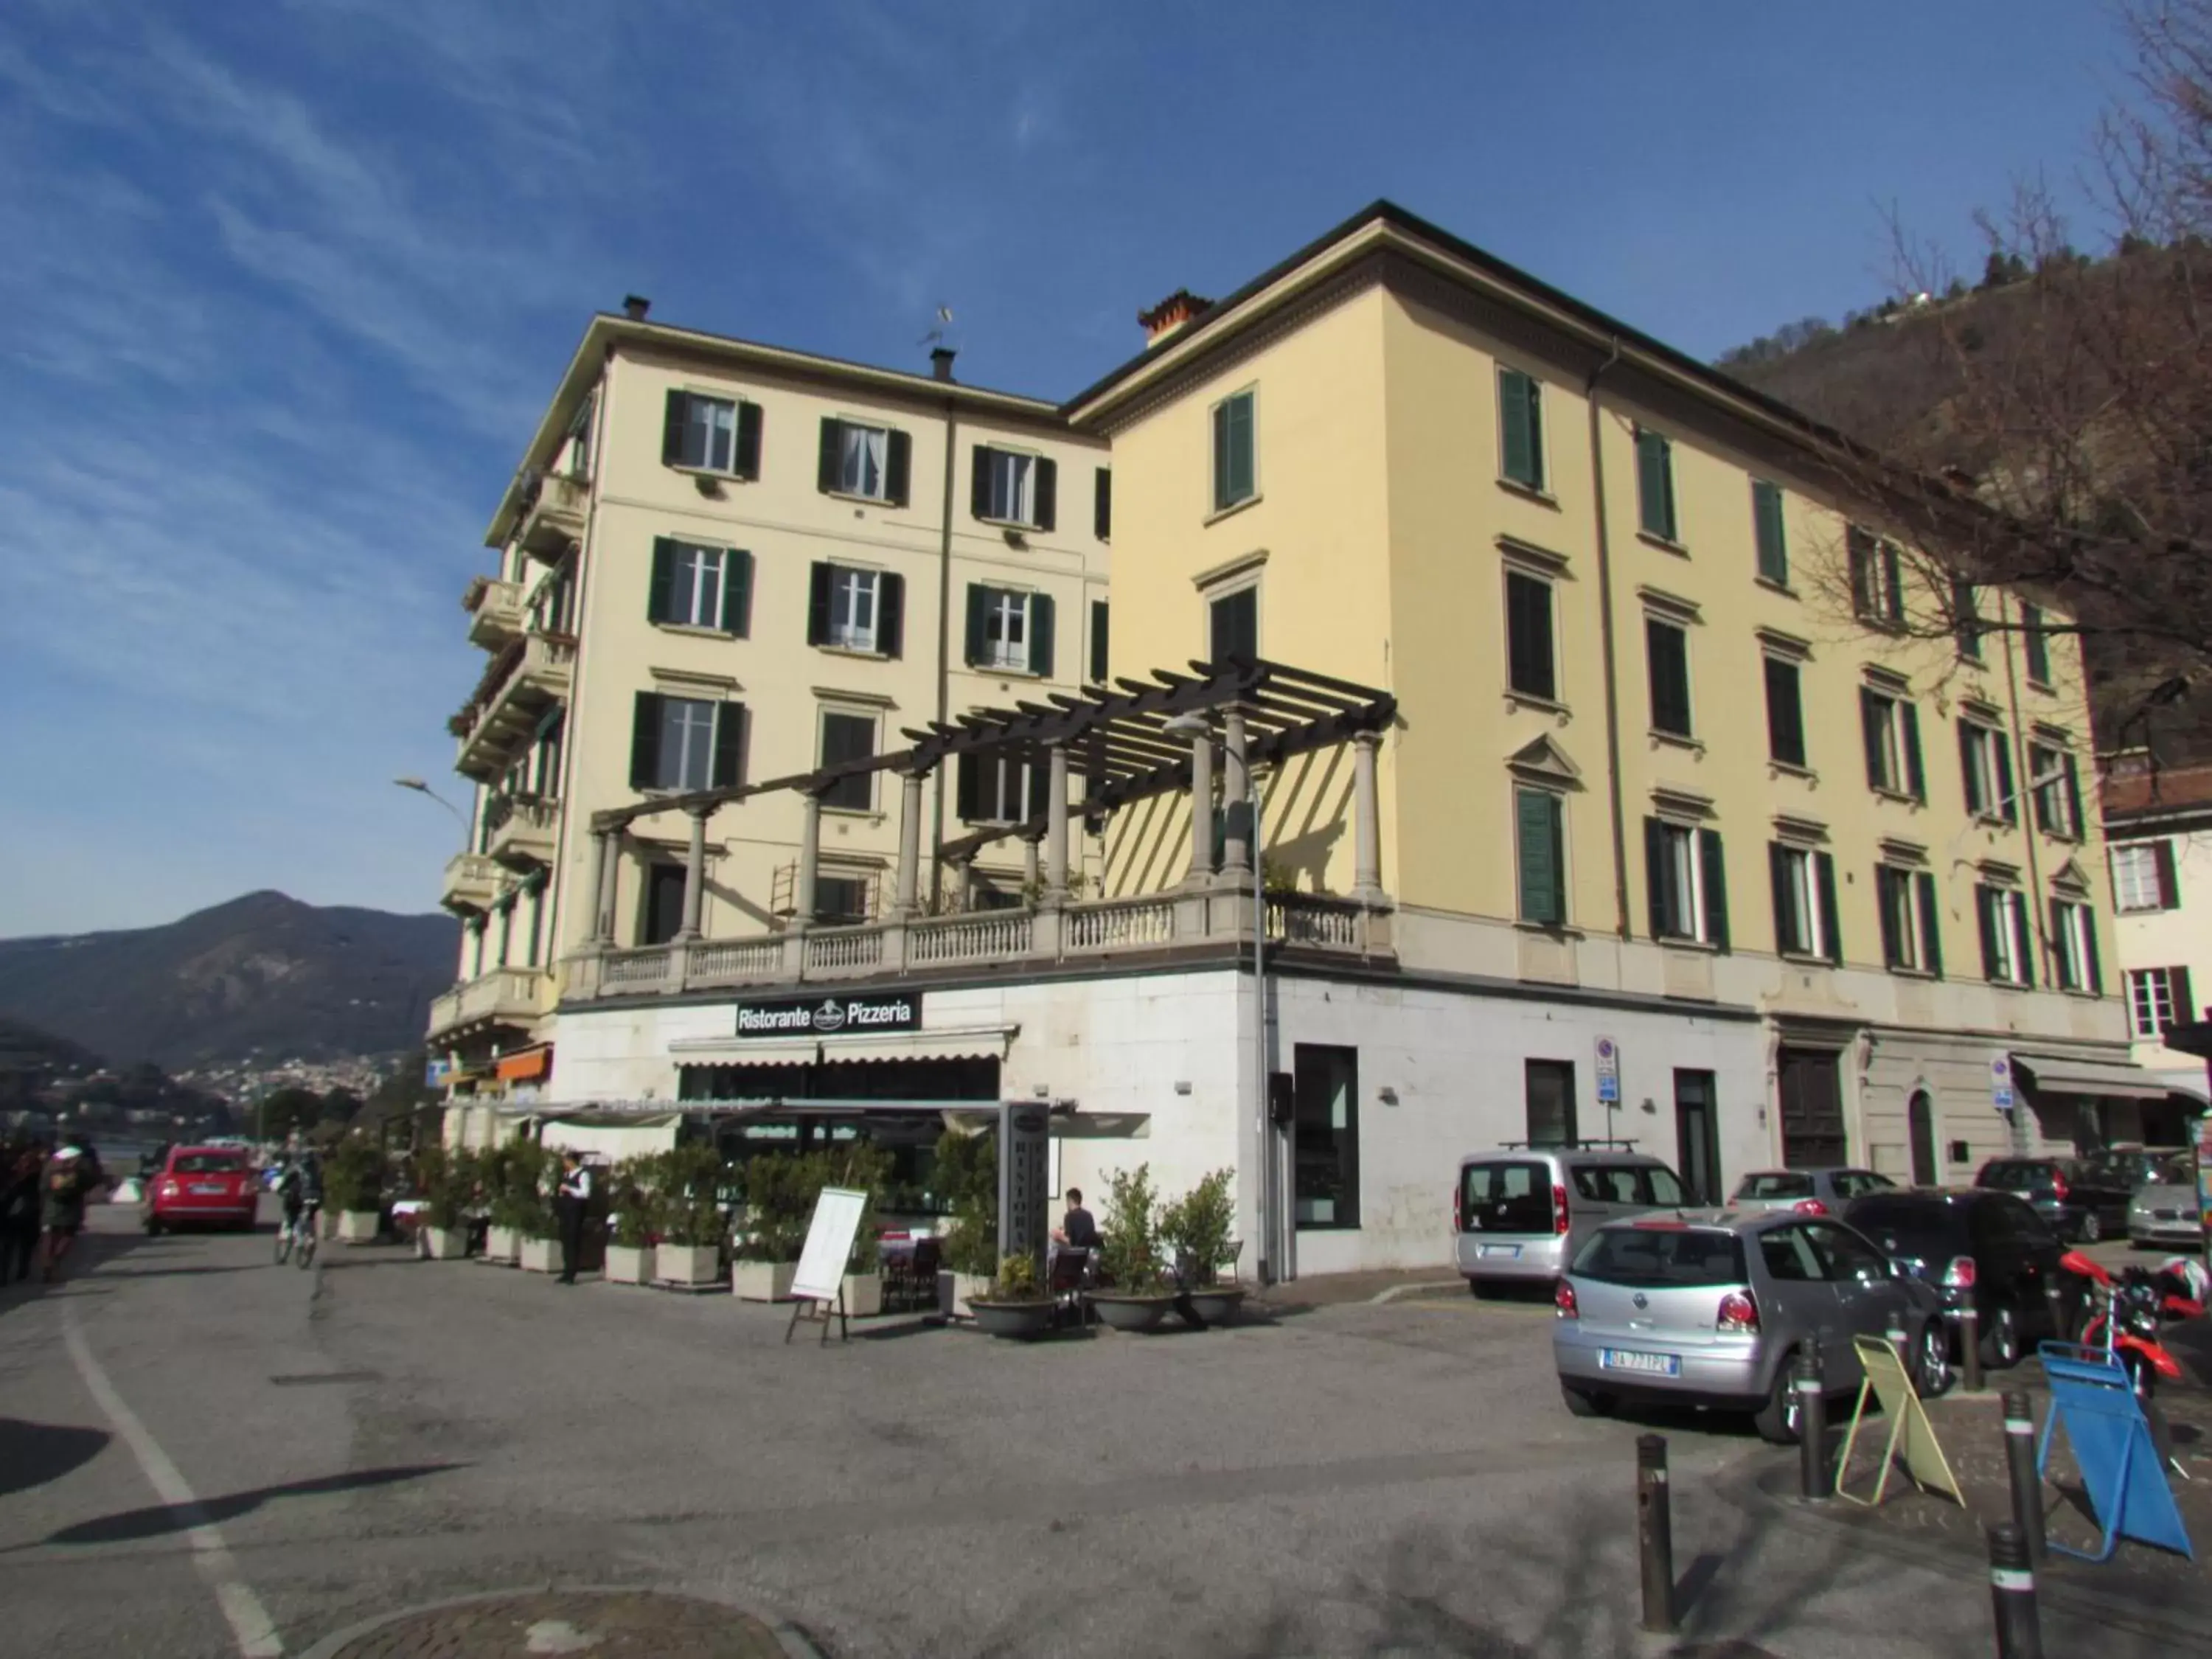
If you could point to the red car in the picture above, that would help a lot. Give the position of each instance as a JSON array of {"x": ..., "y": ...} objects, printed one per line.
[{"x": 203, "y": 1186}]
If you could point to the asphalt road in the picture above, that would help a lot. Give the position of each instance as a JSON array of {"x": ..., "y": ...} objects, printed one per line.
[{"x": 204, "y": 1455}]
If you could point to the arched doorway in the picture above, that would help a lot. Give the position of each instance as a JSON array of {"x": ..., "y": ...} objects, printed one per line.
[{"x": 1920, "y": 1126}]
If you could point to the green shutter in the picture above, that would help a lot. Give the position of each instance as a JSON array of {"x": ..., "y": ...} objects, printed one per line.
[
  {"x": 1785, "y": 714},
  {"x": 746, "y": 462},
  {"x": 1916, "y": 775},
  {"x": 1767, "y": 526},
  {"x": 1101, "y": 504},
  {"x": 898, "y": 469},
  {"x": 1655, "y": 484},
  {"x": 1864, "y": 601},
  {"x": 1654, "y": 879},
  {"x": 2074, "y": 822},
  {"x": 1885, "y": 888},
  {"x": 1871, "y": 719},
  {"x": 2185, "y": 1011},
  {"x": 828, "y": 453},
  {"x": 1044, "y": 496},
  {"x": 738, "y": 593},
  {"x": 1221, "y": 496},
  {"x": 2066, "y": 973},
  {"x": 1785, "y": 915},
  {"x": 1967, "y": 771},
  {"x": 817, "y": 604},
  {"x": 1985, "y": 916},
  {"x": 645, "y": 740},
  {"x": 2169, "y": 883},
  {"x": 2023, "y": 940},
  {"x": 2090, "y": 960},
  {"x": 978, "y": 607},
  {"x": 891, "y": 615},
  {"x": 1242, "y": 470},
  {"x": 659, "y": 594},
  {"x": 2008, "y": 801},
  {"x": 1832, "y": 929},
  {"x": 1667, "y": 648},
  {"x": 979, "y": 481},
  {"x": 729, "y": 745},
  {"x": 672, "y": 428},
  {"x": 1931, "y": 926},
  {"x": 1715, "y": 869},
  {"x": 1098, "y": 626},
  {"x": 1528, "y": 636},
  {"x": 2036, "y": 643},
  {"x": 1041, "y": 634},
  {"x": 1892, "y": 585},
  {"x": 1543, "y": 886},
  {"x": 1520, "y": 411}
]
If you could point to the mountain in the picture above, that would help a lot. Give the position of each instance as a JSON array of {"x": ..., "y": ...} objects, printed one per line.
[{"x": 263, "y": 975}]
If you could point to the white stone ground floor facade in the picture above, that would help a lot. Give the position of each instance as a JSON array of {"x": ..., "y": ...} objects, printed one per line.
[{"x": 1381, "y": 1081}]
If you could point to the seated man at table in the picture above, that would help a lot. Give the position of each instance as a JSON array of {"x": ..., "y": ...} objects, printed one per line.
[{"x": 1077, "y": 1230}]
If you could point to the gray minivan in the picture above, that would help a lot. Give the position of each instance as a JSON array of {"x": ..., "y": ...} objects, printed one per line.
[{"x": 1519, "y": 1214}]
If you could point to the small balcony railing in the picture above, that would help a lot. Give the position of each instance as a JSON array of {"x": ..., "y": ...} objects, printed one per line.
[
  {"x": 472, "y": 881},
  {"x": 553, "y": 515},
  {"x": 1100, "y": 930},
  {"x": 520, "y": 830},
  {"x": 527, "y": 676},
  {"x": 502, "y": 996},
  {"x": 495, "y": 611}
]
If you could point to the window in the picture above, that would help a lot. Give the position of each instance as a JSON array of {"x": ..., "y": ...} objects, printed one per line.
[
  {"x": 1009, "y": 630},
  {"x": 1912, "y": 930},
  {"x": 1766, "y": 526},
  {"x": 1667, "y": 646},
  {"x": 1540, "y": 847},
  {"x": 1101, "y": 504},
  {"x": 2143, "y": 876},
  {"x": 1099, "y": 632},
  {"x": 580, "y": 440},
  {"x": 1233, "y": 625},
  {"x": 1521, "y": 428},
  {"x": 1985, "y": 762},
  {"x": 544, "y": 779},
  {"x": 1785, "y": 714},
  {"x": 1548, "y": 1086},
  {"x": 1966, "y": 619},
  {"x": 2008, "y": 949},
  {"x": 1325, "y": 1136},
  {"x": 1655, "y": 485},
  {"x": 1805, "y": 921},
  {"x": 849, "y": 738},
  {"x": 1877, "y": 580},
  {"x": 2056, "y": 780},
  {"x": 685, "y": 743},
  {"x": 2035, "y": 642},
  {"x": 1529, "y": 668},
  {"x": 842, "y": 901},
  {"x": 1686, "y": 876},
  {"x": 663, "y": 903},
  {"x": 992, "y": 790},
  {"x": 698, "y": 587},
  {"x": 711, "y": 435},
  {"x": 1011, "y": 487},
  {"x": 1891, "y": 725},
  {"x": 873, "y": 462},
  {"x": 2074, "y": 947},
  {"x": 1235, "y": 470},
  {"x": 2158, "y": 998},
  {"x": 851, "y": 609}
]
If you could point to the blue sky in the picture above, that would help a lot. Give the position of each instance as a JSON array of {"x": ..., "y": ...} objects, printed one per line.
[{"x": 285, "y": 287}]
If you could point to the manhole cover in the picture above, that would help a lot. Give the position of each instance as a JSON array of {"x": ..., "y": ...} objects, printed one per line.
[
  {"x": 308, "y": 1379},
  {"x": 602, "y": 1624}
]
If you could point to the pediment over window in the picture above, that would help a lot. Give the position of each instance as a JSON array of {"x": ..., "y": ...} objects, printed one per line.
[
  {"x": 1544, "y": 760},
  {"x": 2069, "y": 879}
]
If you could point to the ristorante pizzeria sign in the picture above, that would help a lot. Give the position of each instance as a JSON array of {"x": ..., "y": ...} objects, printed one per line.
[{"x": 837, "y": 1015}]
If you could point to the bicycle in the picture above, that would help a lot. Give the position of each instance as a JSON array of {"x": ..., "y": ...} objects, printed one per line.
[{"x": 296, "y": 1237}]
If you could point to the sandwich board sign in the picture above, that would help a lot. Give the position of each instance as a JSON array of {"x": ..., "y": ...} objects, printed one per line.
[{"x": 818, "y": 1284}]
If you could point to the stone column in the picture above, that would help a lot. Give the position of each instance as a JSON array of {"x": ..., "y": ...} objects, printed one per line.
[
  {"x": 809, "y": 861},
  {"x": 1055, "y": 835},
  {"x": 906, "y": 906},
  {"x": 1236, "y": 795},
  {"x": 1366, "y": 821},
  {"x": 609, "y": 885},
  {"x": 695, "y": 876},
  {"x": 602, "y": 913},
  {"x": 1201, "y": 812}
]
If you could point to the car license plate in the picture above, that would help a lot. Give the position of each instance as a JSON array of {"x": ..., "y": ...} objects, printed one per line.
[
  {"x": 1501, "y": 1250},
  {"x": 1627, "y": 1359}
]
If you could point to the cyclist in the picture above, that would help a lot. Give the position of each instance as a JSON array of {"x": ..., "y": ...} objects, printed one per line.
[{"x": 300, "y": 1189}]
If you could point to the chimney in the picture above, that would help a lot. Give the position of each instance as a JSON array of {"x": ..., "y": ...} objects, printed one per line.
[
  {"x": 940, "y": 361},
  {"x": 634, "y": 306},
  {"x": 1171, "y": 314}
]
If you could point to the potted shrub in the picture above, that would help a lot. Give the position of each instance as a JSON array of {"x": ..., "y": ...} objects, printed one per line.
[
  {"x": 636, "y": 1208},
  {"x": 353, "y": 1188},
  {"x": 1135, "y": 1296},
  {"x": 779, "y": 1199},
  {"x": 501, "y": 1243},
  {"x": 966, "y": 1175},
  {"x": 1016, "y": 1302},
  {"x": 529, "y": 1207},
  {"x": 689, "y": 1256},
  {"x": 1196, "y": 1229},
  {"x": 447, "y": 1176},
  {"x": 866, "y": 1169}
]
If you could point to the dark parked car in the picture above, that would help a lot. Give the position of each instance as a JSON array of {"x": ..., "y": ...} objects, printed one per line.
[
  {"x": 1980, "y": 1247},
  {"x": 2085, "y": 1199}
]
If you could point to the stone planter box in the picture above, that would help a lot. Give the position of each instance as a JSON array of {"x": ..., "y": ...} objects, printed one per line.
[
  {"x": 443, "y": 1244},
  {"x": 629, "y": 1264},
  {"x": 688, "y": 1266},
  {"x": 500, "y": 1246},
  {"x": 864, "y": 1295},
  {"x": 954, "y": 1292},
  {"x": 1130, "y": 1313},
  {"x": 541, "y": 1256},
  {"x": 1217, "y": 1304},
  {"x": 357, "y": 1226},
  {"x": 762, "y": 1281},
  {"x": 1013, "y": 1319}
]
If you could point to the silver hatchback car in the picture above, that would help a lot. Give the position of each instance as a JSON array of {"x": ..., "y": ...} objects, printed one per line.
[{"x": 1708, "y": 1310}]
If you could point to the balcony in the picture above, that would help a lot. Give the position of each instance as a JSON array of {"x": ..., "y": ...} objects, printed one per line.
[
  {"x": 514, "y": 997},
  {"x": 495, "y": 611},
  {"x": 1218, "y": 922},
  {"x": 472, "y": 881},
  {"x": 553, "y": 516},
  {"x": 521, "y": 830},
  {"x": 528, "y": 676}
]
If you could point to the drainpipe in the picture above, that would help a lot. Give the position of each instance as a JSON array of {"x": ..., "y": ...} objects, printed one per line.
[
  {"x": 941, "y": 361},
  {"x": 1607, "y": 651},
  {"x": 572, "y": 810},
  {"x": 2024, "y": 804}
]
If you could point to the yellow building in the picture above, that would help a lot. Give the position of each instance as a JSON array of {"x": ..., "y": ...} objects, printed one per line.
[{"x": 1636, "y": 813}]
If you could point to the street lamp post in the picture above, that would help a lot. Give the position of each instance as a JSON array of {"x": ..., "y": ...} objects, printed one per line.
[{"x": 421, "y": 789}]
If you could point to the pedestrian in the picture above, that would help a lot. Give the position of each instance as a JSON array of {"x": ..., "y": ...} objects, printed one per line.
[
  {"x": 71, "y": 1175},
  {"x": 569, "y": 1203}
]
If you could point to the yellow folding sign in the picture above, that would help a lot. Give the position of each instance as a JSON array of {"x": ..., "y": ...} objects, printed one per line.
[{"x": 1886, "y": 1378}]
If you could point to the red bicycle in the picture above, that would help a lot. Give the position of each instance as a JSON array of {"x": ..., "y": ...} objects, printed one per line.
[{"x": 2127, "y": 1317}]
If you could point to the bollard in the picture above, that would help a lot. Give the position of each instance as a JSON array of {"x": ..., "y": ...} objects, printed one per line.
[
  {"x": 2055, "y": 1299},
  {"x": 1970, "y": 1349},
  {"x": 1654, "y": 1533},
  {"x": 1812, "y": 1424},
  {"x": 2019, "y": 1463},
  {"x": 2012, "y": 1595}
]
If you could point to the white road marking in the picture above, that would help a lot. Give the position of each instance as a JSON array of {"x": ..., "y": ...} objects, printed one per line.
[{"x": 250, "y": 1623}]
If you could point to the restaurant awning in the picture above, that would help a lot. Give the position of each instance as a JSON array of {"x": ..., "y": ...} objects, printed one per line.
[
  {"x": 2062, "y": 1074},
  {"x": 958, "y": 1042},
  {"x": 529, "y": 1063}
]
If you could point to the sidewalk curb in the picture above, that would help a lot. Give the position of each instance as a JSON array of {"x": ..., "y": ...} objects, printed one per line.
[
  {"x": 1423, "y": 1287},
  {"x": 794, "y": 1642},
  {"x": 2189, "y": 1623}
]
